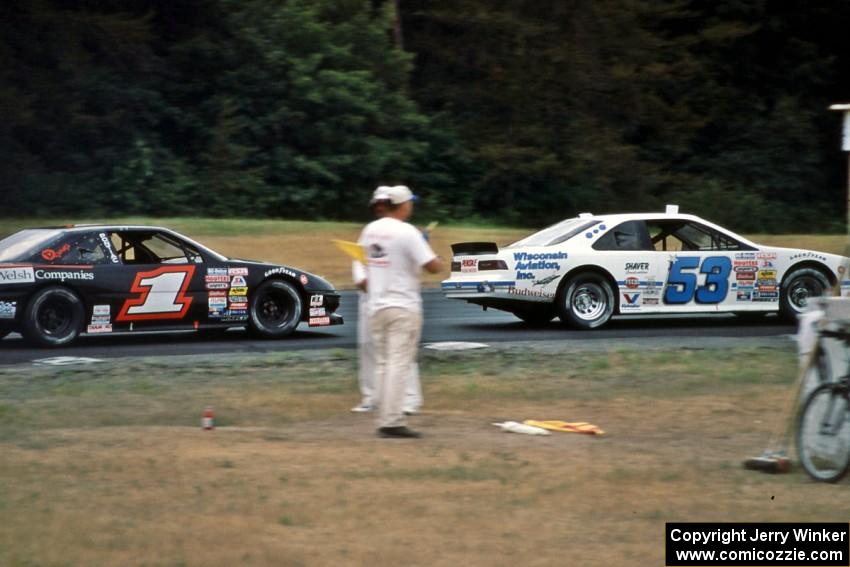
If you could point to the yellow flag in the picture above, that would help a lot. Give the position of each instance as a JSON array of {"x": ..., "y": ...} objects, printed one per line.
[
  {"x": 574, "y": 427},
  {"x": 354, "y": 250}
]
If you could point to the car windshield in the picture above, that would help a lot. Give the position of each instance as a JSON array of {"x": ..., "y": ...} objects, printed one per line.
[
  {"x": 556, "y": 233},
  {"x": 20, "y": 245}
]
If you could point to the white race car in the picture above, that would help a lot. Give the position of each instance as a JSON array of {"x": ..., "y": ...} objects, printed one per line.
[{"x": 589, "y": 268}]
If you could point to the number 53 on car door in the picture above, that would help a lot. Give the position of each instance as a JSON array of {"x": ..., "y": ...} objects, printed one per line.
[{"x": 682, "y": 280}]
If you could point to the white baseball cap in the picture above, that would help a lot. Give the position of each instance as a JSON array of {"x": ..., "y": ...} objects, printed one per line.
[
  {"x": 398, "y": 194},
  {"x": 380, "y": 194}
]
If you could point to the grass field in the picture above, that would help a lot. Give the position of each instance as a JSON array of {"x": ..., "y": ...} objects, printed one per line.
[
  {"x": 107, "y": 465},
  {"x": 308, "y": 245}
]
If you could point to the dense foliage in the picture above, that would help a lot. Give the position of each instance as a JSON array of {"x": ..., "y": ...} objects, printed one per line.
[{"x": 520, "y": 111}]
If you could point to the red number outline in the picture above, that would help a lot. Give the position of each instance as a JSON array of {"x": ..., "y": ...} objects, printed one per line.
[{"x": 144, "y": 291}]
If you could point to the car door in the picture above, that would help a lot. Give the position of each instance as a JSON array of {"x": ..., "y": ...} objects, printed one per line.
[
  {"x": 697, "y": 266},
  {"x": 161, "y": 283}
]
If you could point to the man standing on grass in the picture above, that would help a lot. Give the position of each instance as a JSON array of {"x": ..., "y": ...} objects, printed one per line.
[
  {"x": 365, "y": 348},
  {"x": 396, "y": 254}
]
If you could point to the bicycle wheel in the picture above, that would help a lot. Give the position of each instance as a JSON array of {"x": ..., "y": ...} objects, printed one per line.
[{"x": 823, "y": 433}]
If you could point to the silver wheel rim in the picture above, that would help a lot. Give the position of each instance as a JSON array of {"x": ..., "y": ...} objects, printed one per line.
[
  {"x": 589, "y": 301},
  {"x": 802, "y": 289}
]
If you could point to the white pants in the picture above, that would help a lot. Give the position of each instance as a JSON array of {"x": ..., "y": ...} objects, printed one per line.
[
  {"x": 395, "y": 333},
  {"x": 366, "y": 364}
]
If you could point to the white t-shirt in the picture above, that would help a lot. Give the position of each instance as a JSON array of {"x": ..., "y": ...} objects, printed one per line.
[{"x": 396, "y": 252}]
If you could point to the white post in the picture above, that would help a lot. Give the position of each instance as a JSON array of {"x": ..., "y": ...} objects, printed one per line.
[{"x": 845, "y": 145}]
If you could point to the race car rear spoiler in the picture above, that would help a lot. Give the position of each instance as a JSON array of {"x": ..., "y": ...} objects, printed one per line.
[{"x": 474, "y": 248}]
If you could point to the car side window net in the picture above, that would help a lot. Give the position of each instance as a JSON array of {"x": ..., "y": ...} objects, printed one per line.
[
  {"x": 153, "y": 248},
  {"x": 676, "y": 235}
]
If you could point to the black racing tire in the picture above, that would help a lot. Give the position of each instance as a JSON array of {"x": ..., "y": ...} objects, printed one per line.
[
  {"x": 586, "y": 301},
  {"x": 823, "y": 433},
  {"x": 274, "y": 310},
  {"x": 536, "y": 315},
  {"x": 798, "y": 288},
  {"x": 53, "y": 317}
]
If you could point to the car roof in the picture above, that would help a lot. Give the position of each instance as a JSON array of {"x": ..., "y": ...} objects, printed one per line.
[
  {"x": 85, "y": 227},
  {"x": 671, "y": 213}
]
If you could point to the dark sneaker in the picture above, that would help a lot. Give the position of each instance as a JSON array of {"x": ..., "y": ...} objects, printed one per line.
[{"x": 399, "y": 432}]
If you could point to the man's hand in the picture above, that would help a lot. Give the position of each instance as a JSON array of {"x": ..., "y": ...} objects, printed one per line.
[{"x": 435, "y": 266}]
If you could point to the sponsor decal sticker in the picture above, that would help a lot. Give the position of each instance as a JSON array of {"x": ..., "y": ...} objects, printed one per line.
[
  {"x": 237, "y": 271},
  {"x": 808, "y": 254},
  {"x": 107, "y": 245},
  {"x": 218, "y": 272},
  {"x": 637, "y": 267},
  {"x": 63, "y": 275},
  {"x": 744, "y": 295},
  {"x": 469, "y": 265},
  {"x": 220, "y": 279},
  {"x": 630, "y": 301},
  {"x": 50, "y": 254},
  {"x": 745, "y": 276},
  {"x": 216, "y": 285},
  {"x": 650, "y": 301},
  {"x": 632, "y": 283},
  {"x": 536, "y": 261},
  {"x": 217, "y": 302},
  {"x": 99, "y": 328},
  {"x": 319, "y": 321},
  {"x": 16, "y": 275},
  {"x": 239, "y": 291},
  {"x": 100, "y": 311},
  {"x": 529, "y": 293},
  {"x": 545, "y": 281},
  {"x": 281, "y": 270},
  {"x": 767, "y": 274},
  {"x": 317, "y": 300},
  {"x": 238, "y": 281},
  {"x": 8, "y": 309},
  {"x": 217, "y": 293},
  {"x": 317, "y": 312}
]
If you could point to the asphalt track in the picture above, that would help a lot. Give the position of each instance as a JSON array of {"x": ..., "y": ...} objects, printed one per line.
[{"x": 445, "y": 320}]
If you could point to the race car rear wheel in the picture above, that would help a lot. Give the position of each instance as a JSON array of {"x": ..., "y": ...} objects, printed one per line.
[
  {"x": 53, "y": 317},
  {"x": 798, "y": 288},
  {"x": 586, "y": 301},
  {"x": 275, "y": 310}
]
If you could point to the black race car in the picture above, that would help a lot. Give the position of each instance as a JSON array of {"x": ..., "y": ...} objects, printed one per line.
[{"x": 56, "y": 283}]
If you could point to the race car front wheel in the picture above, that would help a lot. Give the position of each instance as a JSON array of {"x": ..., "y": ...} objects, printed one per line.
[
  {"x": 275, "y": 310},
  {"x": 800, "y": 287},
  {"x": 586, "y": 301},
  {"x": 53, "y": 317}
]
